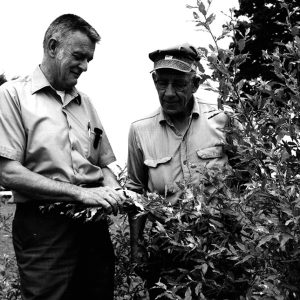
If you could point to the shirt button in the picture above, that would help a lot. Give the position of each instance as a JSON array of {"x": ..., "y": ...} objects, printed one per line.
[{"x": 184, "y": 162}]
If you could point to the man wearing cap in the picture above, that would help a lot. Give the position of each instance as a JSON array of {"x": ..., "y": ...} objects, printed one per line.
[{"x": 182, "y": 132}]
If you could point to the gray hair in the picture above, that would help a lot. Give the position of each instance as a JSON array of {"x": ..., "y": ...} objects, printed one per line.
[{"x": 67, "y": 23}]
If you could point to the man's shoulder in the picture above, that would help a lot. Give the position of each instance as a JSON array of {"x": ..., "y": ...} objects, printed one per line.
[
  {"x": 16, "y": 82},
  {"x": 15, "y": 87},
  {"x": 83, "y": 95},
  {"x": 85, "y": 99},
  {"x": 206, "y": 106},
  {"x": 147, "y": 120}
]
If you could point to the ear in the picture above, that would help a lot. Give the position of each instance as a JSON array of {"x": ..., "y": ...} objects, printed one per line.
[
  {"x": 196, "y": 83},
  {"x": 154, "y": 77},
  {"x": 52, "y": 47}
]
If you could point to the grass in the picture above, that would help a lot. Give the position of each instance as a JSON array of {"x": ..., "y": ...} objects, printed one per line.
[
  {"x": 6, "y": 214},
  {"x": 9, "y": 283}
]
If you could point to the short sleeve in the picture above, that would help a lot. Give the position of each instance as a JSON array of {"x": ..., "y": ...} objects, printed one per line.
[
  {"x": 137, "y": 171},
  {"x": 12, "y": 133},
  {"x": 106, "y": 154}
]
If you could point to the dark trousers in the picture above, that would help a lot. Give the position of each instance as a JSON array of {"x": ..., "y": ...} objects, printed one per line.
[{"x": 60, "y": 258}]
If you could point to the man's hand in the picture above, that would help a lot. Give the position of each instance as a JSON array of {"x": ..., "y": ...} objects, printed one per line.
[{"x": 105, "y": 196}]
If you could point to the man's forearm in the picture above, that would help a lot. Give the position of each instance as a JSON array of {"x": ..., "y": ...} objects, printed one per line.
[
  {"x": 109, "y": 178},
  {"x": 16, "y": 177}
]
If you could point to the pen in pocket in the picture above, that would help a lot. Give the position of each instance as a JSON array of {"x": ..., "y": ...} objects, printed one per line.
[
  {"x": 89, "y": 128},
  {"x": 98, "y": 133}
]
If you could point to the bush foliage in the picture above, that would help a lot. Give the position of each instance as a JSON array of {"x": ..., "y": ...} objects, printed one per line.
[{"x": 239, "y": 239}]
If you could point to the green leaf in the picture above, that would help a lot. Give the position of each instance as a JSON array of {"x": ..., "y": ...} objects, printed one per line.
[
  {"x": 201, "y": 69},
  {"x": 295, "y": 30},
  {"x": 265, "y": 240},
  {"x": 188, "y": 294},
  {"x": 201, "y": 8},
  {"x": 283, "y": 240},
  {"x": 246, "y": 258},
  {"x": 210, "y": 19},
  {"x": 196, "y": 16},
  {"x": 241, "y": 44},
  {"x": 232, "y": 249},
  {"x": 241, "y": 246},
  {"x": 204, "y": 268},
  {"x": 198, "y": 288},
  {"x": 216, "y": 223}
]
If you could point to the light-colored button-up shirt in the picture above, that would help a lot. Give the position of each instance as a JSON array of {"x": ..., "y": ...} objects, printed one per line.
[
  {"x": 64, "y": 141},
  {"x": 159, "y": 155}
]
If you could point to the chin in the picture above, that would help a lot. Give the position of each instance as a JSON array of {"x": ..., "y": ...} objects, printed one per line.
[
  {"x": 69, "y": 85},
  {"x": 171, "y": 112}
]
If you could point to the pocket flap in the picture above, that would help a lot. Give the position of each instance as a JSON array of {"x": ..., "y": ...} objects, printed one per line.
[
  {"x": 153, "y": 163},
  {"x": 211, "y": 152}
]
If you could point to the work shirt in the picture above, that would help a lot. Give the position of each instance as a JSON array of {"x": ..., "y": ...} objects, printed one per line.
[
  {"x": 64, "y": 141},
  {"x": 159, "y": 155}
]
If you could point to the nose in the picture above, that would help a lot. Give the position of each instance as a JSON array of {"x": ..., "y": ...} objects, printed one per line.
[
  {"x": 169, "y": 90},
  {"x": 84, "y": 65}
]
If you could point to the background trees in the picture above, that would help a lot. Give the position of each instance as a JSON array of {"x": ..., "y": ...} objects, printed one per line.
[{"x": 267, "y": 26}]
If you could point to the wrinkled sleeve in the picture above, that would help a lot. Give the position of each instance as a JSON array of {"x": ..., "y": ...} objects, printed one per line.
[
  {"x": 137, "y": 171},
  {"x": 106, "y": 154},
  {"x": 12, "y": 132}
]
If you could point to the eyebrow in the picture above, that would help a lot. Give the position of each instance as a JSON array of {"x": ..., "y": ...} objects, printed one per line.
[{"x": 83, "y": 54}]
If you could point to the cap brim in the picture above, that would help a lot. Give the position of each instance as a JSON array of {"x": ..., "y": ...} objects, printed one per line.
[{"x": 174, "y": 64}]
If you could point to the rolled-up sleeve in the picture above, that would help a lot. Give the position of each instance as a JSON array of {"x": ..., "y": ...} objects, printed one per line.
[
  {"x": 137, "y": 171},
  {"x": 106, "y": 153},
  {"x": 12, "y": 132}
]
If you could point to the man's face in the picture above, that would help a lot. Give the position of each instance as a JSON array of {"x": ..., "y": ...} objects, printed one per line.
[
  {"x": 71, "y": 59},
  {"x": 175, "y": 90}
]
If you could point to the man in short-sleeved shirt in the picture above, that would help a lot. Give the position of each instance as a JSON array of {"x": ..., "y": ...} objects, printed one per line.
[
  {"x": 48, "y": 136},
  {"x": 54, "y": 148},
  {"x": 169, "y": 145},
  {"x": 160, "y": 155}
]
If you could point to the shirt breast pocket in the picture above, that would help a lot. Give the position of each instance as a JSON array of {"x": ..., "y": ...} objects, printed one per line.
[
  {"x": 94, "y": 145},
  {"x": 211, "y": 156},
  {"x": 210, "y": 153},
  {"x": 159, "y": 173},
  {"x": 154, "y": 163}
]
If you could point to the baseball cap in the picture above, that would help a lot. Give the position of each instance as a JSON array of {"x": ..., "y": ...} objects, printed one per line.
[{"x": 183, "y": 57}]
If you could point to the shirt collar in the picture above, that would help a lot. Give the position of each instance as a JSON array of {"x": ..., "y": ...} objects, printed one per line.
[
  {"x": 39, "y": 82},
  {"x": 163, "y": 118}
]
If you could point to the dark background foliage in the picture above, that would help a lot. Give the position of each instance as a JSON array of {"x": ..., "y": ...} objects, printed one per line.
[{"x": 267, "y": 28}]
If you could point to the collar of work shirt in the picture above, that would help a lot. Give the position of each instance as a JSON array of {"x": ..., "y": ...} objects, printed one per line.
[{"x": 181, "y": 126}]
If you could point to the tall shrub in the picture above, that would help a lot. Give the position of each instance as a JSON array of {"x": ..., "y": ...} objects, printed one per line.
[{"x": 240, "y": 238}]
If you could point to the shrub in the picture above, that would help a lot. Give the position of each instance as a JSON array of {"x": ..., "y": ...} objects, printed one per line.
[{"x": 239, "y": 239}]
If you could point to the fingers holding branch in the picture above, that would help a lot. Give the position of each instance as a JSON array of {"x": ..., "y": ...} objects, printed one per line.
[{"x": 106, "y": 197}]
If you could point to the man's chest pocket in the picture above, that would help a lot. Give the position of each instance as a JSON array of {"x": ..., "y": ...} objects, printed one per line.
[
  {"x": 159, "y": 173},
  {"x": 154, "y": 163},
  {"x": 211, "y": 156},
  {"x": 95, "y": 138}
]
